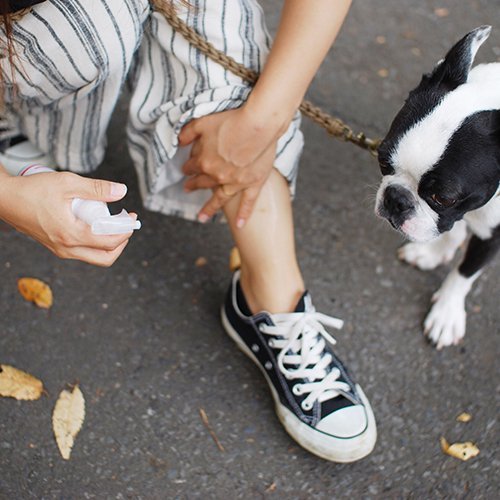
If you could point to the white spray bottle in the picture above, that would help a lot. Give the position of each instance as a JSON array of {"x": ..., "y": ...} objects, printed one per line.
[{"x": 95, "y": 213}]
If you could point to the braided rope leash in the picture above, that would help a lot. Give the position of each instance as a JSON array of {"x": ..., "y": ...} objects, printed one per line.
[{"x": 333, "y": 125}]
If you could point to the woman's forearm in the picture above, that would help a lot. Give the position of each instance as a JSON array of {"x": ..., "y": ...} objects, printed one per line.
[
  {"x": 306, "y": 32},
  {"x": 3, "y": 172},
  {"x": 4, "y": 189}
]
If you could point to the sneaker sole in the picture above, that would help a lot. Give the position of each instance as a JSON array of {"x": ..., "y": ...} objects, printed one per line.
[{"x": 342, "y": 450}]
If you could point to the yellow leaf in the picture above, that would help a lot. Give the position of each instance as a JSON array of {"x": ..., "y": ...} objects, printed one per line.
[
  {"x": 462, "y": 451},
  {"x": 464, "y": 417},
  {"x": 234, "y": 259},
  {"x": 67, "y": 419},
  {"x": 17, "y": 384},
  {"x": 34, "y": 290}
]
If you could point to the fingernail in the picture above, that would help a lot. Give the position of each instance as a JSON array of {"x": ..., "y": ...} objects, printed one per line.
[
  {"x": 240, "y": 223},
  {"x": 118, "y": 189},
  {"x": 203, "y": 218}
]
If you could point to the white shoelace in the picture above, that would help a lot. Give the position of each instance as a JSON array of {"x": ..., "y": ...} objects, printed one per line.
[{"x": 302, "y": 345}]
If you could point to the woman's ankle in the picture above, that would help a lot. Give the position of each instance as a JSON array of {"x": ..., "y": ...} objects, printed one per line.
[{"x": 274, "y": 294}]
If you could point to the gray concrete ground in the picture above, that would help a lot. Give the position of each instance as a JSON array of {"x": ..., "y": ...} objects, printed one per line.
[{"x": 144, "y": 340}]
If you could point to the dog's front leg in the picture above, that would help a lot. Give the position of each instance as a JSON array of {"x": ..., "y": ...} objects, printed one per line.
[
  {"x": 445, "y": 323},
  {"x": 440, "y": 250}
]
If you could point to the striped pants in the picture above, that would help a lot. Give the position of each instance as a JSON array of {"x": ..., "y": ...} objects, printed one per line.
[{"x": 74, "y": 57}]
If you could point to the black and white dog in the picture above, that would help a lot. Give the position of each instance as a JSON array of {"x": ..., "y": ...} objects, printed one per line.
[{"x": 441, "y": 167}]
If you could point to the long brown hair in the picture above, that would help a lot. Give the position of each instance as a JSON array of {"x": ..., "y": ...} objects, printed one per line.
[{"x": 7, "y": 47}]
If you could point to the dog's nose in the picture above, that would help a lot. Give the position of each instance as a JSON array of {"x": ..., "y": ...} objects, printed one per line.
[{"x": 397, "y": 200}]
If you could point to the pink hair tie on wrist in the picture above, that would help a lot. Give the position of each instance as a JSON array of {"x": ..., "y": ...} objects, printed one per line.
[{"x": 34, "y": 169}]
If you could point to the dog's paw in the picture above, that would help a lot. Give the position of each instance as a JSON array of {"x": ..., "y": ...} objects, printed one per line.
[
  {"x": 425, "y": 256},
  {"x": 445, "y": 323}
]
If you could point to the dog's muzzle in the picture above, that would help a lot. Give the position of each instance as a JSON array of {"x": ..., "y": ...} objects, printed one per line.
[{"x": 397, "y": 205}]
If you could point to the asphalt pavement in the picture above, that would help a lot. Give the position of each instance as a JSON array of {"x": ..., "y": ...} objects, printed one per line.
[{"x": 143, "y": 338}]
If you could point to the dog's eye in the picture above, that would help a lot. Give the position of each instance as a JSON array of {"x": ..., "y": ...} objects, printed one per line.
[
  {"x": 385, "y": 168},
  {"x": 442, "y": 201}
]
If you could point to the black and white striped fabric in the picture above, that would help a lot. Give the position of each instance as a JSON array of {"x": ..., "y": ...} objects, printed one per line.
[{"x": 75, "y": 56}]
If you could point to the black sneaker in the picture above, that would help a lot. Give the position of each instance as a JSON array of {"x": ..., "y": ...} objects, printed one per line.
[{"x": 316, "y": 400}]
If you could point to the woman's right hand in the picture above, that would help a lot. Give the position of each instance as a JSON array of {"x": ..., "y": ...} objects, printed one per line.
[{"x": 40, "y": 206}]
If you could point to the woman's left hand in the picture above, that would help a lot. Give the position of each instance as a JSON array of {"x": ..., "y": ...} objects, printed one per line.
[{"x": 232, "y": 152}]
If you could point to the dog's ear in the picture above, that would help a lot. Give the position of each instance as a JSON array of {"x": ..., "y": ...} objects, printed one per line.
[{"x": 453, "y": 70}]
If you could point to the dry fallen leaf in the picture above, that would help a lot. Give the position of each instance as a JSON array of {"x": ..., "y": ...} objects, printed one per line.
[
  {"x": 36, "y": 291},
  {"x": 409, "y": 35},
  {"x": 270, "y": 488},
  {"x": 380, "y": 39},
  {"x": 200, "y": 262},
  {"x": 234, "y": 259},
  {"x": 462, "y": 451},
  {"x": 464, "y": 417},
  {"x": 441, "y": 12},
  {"x": 383, "y": 73},
  {"x": 67, "y": 419},
  {"x": 17, "y": 384}
]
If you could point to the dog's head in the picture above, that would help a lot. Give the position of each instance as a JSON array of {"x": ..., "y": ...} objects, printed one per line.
[{"x": 441, "y": 157}]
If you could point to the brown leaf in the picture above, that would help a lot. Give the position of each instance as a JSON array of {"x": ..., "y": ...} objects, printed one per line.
[
  {"x": 234, "y": 259},
  {"x": 200, "y": 262},
  {"x": 462, "y": 451},
  {"x": 441, "y": 12},
  {"x": 409, "y": 35},
  {"x": 383, "y": 73},
  {"x": 19, "y": 385},
  {"x": 34, "y": 290},
  {"x": 270, "y": 488},
  {"x": 67, "y": 419}
]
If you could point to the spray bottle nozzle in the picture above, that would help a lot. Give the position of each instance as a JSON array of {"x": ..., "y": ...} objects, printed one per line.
[{"x": 115, "y": 224}]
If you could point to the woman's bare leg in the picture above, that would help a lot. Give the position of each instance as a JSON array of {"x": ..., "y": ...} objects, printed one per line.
[{"x": 270, "y": 275}]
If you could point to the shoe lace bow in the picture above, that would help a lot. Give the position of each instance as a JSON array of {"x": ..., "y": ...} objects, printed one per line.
[{"x": 301, "y": 338}]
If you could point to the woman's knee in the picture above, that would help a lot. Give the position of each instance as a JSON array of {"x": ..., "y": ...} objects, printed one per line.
[{"x": 64, "y": 47}]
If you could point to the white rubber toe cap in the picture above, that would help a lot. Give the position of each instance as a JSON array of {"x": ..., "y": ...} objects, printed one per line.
[{"x": 345, "y": 423}]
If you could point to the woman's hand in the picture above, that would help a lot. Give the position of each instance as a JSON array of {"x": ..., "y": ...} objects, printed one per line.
[
  {"x": 233, "y": 151},
  {"x": 40, "y": 206}
]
